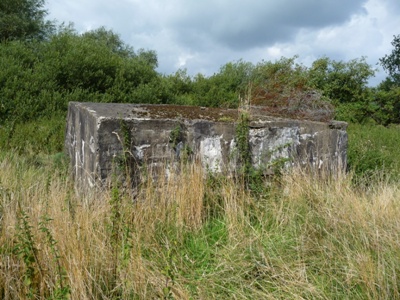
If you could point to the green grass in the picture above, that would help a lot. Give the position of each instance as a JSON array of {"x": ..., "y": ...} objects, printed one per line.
[
  {"x": 374, "y": 148},
  {"x": 42, "y": 136}
]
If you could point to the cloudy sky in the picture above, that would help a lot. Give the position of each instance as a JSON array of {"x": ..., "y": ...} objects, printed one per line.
[{"x": 203, "y": 35}]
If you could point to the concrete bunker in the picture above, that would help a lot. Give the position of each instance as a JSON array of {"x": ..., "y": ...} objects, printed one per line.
[{"x": 97, "y": 134}]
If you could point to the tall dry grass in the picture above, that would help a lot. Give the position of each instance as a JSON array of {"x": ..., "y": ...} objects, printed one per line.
[{"x": 193, "y": 236}]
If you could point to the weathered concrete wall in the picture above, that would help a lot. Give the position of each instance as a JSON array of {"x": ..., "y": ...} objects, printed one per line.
[{"x": 97, "y": 135}]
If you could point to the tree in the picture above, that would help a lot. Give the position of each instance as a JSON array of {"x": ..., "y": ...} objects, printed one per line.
[
  {"x": 346, "y": 85},
  {"x": 343, "y": 82},
  {"x": 40, "y": 77},
  {"x": 391, "y": 62},
  {"x": 23, "y": 20},
  {"x": 98, "y": 61},
  {"x": 387, "y": 94},
  {"x": 110, "y": 40}
]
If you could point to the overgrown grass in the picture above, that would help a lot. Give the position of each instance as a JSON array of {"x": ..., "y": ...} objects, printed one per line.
[
  {"x": 44, "y": 135},
  {"x": 374, "y": 148},
  {"x": 190, "y": 236}
]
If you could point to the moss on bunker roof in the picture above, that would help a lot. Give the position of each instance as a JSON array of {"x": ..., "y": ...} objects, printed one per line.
[
  {"x": 215, "y": 114},
  {"x": 186, "y": 112}
]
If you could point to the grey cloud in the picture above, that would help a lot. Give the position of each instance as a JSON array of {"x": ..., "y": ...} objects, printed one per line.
[
  {"x": 243, "y": 25},
  {"x": 393, "y": 5}
]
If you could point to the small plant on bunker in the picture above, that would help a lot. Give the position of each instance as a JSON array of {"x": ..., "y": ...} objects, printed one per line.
[
  {"x": 125, "y": 163},
  {"x": 225, "y": 119},
  {"x": 242, "y": 141},
  {"x": 126, "y": 136},
  {"x": 176, "y": 140},
  {"x": 242, "y": 133},
  {"x": 175, "y": 136},
  {"x": 252, "y": 177},
  {"x": 125, "y": 139}
]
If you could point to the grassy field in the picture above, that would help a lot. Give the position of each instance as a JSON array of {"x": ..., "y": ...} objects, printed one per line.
[{"x": 196, "y": 236}]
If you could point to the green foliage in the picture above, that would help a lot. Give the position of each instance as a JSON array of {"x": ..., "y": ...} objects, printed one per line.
[
  {"x": 242, "y": 141},
  {"x": 40, "y": 78},
  {"x": 111, "y": 40},
  {"x": 23, "y": 20},
  {"x": 354, "y": 112},
  {"x": 373, "y": 149},
  {"x": 219, "y": 90},
  {"x": 231, "y": 81},
  {"x": 386, "y": 97},
  {"x": 45, "y": 136},
  {"x": 115, "y": 218},
  {"x": 26, "y": 250},
  {"x": 98, "y": 62},
  {"x": 115, "y": 230},
  {"x": 342, "y": 82},
  {"x": 252, "y": 177},
  {"x": 126, "y": 137},
  {"x": 385, "y": 102},
  {"x": 175, "y": 136},
  {"x": 62, "y": 290},
  {"x": 282, "y": 83},
  {"x": 346, "y": 85},
  {"x": 391, "y": 62},
  {"x": 169, "y": 270}
]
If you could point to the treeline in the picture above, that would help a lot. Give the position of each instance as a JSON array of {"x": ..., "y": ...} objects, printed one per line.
[
  {"x": 39, "y": 77},
  {"x": 43, "y": 68}
]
